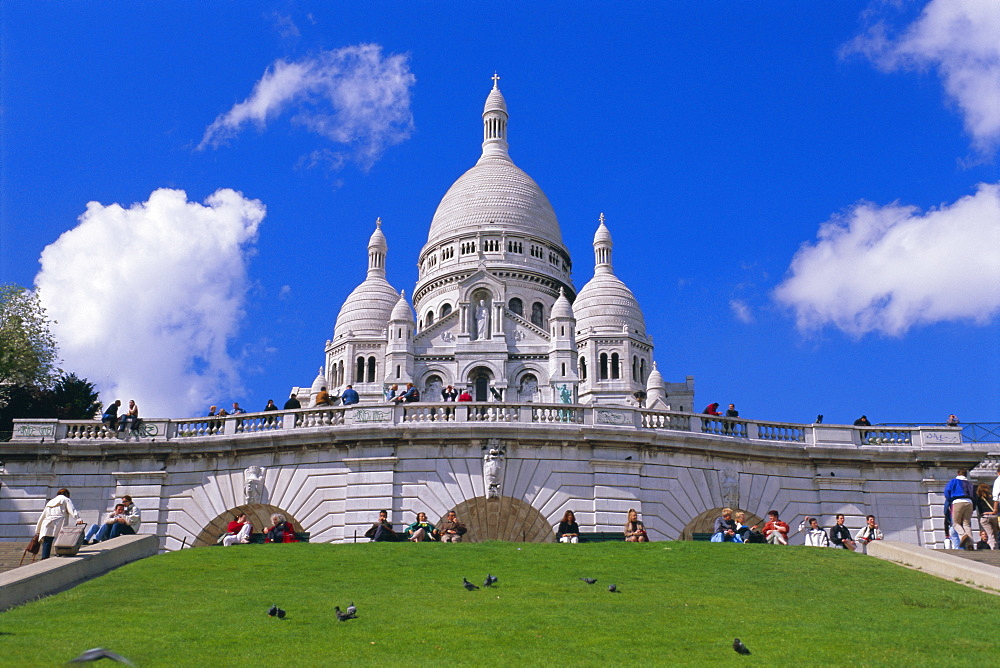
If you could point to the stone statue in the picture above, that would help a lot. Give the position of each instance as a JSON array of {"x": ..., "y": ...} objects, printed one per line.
[
  {"x": 729, "y": 486},
  {"x": 529, "y": 388},
  {"x": 482, "y": 320},
  {"x": 492, "y": 462},
  {"x": 253, "y": 485}
]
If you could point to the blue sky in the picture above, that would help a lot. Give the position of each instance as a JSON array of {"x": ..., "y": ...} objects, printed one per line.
[{"x": 803, "y": 196}]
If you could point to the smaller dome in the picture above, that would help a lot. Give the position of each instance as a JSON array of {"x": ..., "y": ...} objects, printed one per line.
[
  {"x": 655, "y": 380},
  {"x": 603, "y": 234},
  {"x": 562, "y": 308},
  {"x": 377, "y": 240},
  {"x": 495, "y": 101},
  {"x": 402, "y": 310},
  {"x": 605, "y": 304},
  {"x": 319, "y": 383},
  {"x": 367, "y": 309}
]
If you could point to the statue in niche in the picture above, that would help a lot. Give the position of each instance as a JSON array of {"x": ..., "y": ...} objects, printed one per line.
[
  {"x": 528, "y": 389},
  {"x": 482, "y": 319},
  {"x": 492, "y": 463},
  {"x": 253, "y": 485},
  {"x": 729, "y": 486},
  {"x": 565, "y": 395}
]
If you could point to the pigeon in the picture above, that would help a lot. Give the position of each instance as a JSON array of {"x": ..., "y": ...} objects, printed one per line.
[
  {"x": 99, "y": 653},
  {"x": 589, "y": 581},
  {"x": 613, "y": 589},
  {"x": 468, "y": 585},
  {"x": 272, "y": 611},
  {"x": 343, "y": 616},
  {"x": 352, "y": 610},
  {"x": 740, "y": 647},
  {"x": 488, "y": 582},
  {"x": 281, "y": 613},
  {"x": 493, "y": 579}
]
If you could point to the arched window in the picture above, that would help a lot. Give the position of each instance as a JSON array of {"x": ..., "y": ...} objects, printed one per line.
[
  {"x": 371, "y": 369},
  {"x": 517, "y": 306},
  {"x": 359, "y": 372},
  {"x": 538, "y": 314},
  {"x": 445, "y": 310},
  {"x": 430, "y": 318},
  {"x": 583, "y": 368},
  {"x": 642, "y": 371},
  {"x": 564, "y": 368},
  {"x": 635, "y": 367},
  {"x": 340, "y": 374},
  {"x": 604, "y": 366},
  {"x": 615, "y": 368}
]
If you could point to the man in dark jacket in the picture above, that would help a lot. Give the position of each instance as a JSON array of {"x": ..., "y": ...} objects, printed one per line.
[{"x": 292, "y": 403}]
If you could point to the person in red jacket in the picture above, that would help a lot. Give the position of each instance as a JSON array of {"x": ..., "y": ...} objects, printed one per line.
[
  {"x": 775, "y": 530},
  {"x": 712, "y": 409},
  {"x": 238, "y": 531},
  {"x": 465, "y": 396}
]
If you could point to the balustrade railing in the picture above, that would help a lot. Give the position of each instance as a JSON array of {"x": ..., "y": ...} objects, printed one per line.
[{"x": 420, "y": 413}]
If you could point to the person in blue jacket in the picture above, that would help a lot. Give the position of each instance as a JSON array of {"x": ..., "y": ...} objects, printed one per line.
[{"x": 350, "y": 396}]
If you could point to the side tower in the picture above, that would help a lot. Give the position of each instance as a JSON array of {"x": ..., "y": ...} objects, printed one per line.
[{"x": 614, "y": 352}]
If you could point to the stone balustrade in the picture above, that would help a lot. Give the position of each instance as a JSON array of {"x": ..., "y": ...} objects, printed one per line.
[{"x": 442, "y": 414}]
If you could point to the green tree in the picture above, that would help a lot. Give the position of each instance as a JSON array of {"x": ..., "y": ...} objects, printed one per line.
[
  {"x": 28, "y": 351},
  {"x": 73, "y": 398}
]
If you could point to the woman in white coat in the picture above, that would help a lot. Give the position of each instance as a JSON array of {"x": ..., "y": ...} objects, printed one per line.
[{"x": 54, "y": 516}]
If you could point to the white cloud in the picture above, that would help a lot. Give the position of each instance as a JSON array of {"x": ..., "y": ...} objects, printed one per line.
[
  {"x": 887, "y": 269},
  {"x": 741, "y": 311},
  {"x": 961, "y": 39},
  {"x": 352, "y": 96},
  {"x": 147, "y": 298}
]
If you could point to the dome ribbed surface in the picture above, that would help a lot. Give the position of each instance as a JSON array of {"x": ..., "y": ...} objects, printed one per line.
[
  {"x": 605, "y": 304},
  {"x": 367, "y": 309},
  {"x": 402, "y": 310},
  {"x": 495, "y": 102},
  {"x": 655, "y": 380},
  {"x": 495, "y": 191},
  {"x": 562, "y": 307}
]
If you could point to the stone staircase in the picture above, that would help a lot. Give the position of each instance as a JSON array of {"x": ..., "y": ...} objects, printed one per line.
[
  {"x": 10, "y": 554},
  {"x": 988, "y": 557}
]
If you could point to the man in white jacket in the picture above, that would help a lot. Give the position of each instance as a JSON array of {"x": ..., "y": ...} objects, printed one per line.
[
  {"x": 54, "y": 517},
  {"x": 815, "y": 536}
]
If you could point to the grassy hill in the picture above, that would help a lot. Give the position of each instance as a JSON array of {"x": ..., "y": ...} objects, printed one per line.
[{"x": 680, "y": 603}]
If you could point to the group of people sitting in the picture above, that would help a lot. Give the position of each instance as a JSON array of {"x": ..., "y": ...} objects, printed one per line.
[
  {"x": 345, "y": 395},
  {"x": 730, "y": 528},
  {"x": 123, "y": 520},
  {"x": 127, "y": 422},
  {"x": 450, "y": 530},
  {"x": 568, "y": 530},
  {"x": 238, "y": 531}
]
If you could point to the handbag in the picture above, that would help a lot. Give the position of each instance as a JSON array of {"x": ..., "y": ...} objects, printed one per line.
[{"x": 33, "y": 545}]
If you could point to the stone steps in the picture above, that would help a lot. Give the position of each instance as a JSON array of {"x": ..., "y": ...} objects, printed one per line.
[
  {"x": 10, "y": 554},
  {"x": 989, "y": 557}
]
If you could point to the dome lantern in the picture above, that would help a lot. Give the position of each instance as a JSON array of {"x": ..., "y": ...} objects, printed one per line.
[{"x": 495, "y": 122}]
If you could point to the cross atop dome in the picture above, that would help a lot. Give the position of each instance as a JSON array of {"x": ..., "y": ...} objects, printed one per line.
[
  {"x": 496, "y": 79},
  {"x": 378, "y": 222}
]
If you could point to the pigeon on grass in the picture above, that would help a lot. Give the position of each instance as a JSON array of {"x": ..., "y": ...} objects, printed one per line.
[
  {"x": 613, "y": 589},
  {"x": 272, "y": 611},
  {"x": 489, "y": 581},
  {"x": 468, "y": 585},
  {"x": 98, "y": 653},
  {"x": 343, "y": 616},
  {"x": 281, "y": 613},
  {"x": 740, "y": 647},
  {"x": 352, "y": 610},
  {"x": 589, "y": 581}
]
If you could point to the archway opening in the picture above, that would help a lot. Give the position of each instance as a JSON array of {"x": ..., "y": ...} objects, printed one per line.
[
  {"x": 503, "y": 518},
  {"x": 704, "y": 522},
  {"x": 480, "y": 379},
  {"x": 259, "y": 515}
]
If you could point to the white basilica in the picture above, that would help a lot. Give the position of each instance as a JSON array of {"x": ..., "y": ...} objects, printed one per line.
[{"x": 496, "y": 310}]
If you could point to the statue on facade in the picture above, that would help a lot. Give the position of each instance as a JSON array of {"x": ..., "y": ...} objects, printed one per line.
[
  {"x": 253, "y": 485},
  {"x": 729, "y": 486},
  {"x": 482, "y": 318},
  {"x": 565, "y": 395},
  {"x": 492, "y": 462}
]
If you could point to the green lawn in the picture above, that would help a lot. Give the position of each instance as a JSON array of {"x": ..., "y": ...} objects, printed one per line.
[{"x": 680, "y": 603}]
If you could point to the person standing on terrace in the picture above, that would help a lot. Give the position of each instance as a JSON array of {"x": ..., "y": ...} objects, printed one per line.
[
  {"x": 960, "y": 494},
  {"x": 712, "y": 409},
  {"x": 292, "y": 403},
  {"x": 322, "y": 397}
]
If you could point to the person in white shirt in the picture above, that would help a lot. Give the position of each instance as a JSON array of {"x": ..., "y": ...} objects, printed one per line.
[
  {"x": 815, "y": 536},
  {"x": 55, "y": 514}
]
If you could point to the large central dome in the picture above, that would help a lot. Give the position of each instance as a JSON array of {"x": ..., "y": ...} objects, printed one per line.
[{"x": 495, "y": 193}]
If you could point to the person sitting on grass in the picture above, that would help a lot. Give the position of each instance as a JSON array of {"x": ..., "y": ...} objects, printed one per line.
[
  {"x": 815, "y": 536},
  {"x": 724, "y": 530},
  {"x": 281, "y": 530},
  {"x": 382, "y": 530},
  {"x": 869, "y": 532},
  {"x": 238, "y": 531},
  {"x": 775, "y": 531},
  {"x": 742, "y": 530},
  {"x": 841, "y": 535},
  {"x": 451, "y": 530},
  {"x": 569, "y": 530},
  {"x": 421, "y": 530},
  {"x": 635, "y": 532}
]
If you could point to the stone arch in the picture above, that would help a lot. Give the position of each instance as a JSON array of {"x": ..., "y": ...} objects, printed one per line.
[
  {"x": 259, "y": 515},
  {"x": 704, "y": 522},
  {"x": 503, "y": 518}
]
